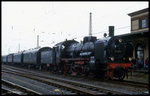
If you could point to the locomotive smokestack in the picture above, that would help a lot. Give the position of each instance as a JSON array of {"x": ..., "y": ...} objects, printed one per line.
[
  {"x": 111, "y": 31},
  {"x": 90, "y": 25}
]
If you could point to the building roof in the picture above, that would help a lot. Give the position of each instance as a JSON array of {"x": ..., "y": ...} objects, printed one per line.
[
  {"x": 139, "y": 12},
  {"x": 134, "y": 35}
]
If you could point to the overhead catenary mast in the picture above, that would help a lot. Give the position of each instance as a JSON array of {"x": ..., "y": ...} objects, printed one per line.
[
  {"x": 37, "y": 41},
  {"x": 8, "y": 50},
  {"x": 90, "y": 25},
  {"x": 19, "y": 47}
]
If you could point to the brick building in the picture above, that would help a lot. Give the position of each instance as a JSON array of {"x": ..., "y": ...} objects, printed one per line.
[{"x": 139, "y": 35}]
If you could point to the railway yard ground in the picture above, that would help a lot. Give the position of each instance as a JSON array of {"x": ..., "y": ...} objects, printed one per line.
[
  {"x": 22, "y": 81},
  {"x": 139, "y": 76}
]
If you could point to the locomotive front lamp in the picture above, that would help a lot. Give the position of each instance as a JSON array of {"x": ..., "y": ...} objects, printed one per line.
[
  {"x": 63, "y": 46},
  {"x": 120, "y": 40},
  {"x": 112, "y": 58},
  {"x": 130, "y": 59}
]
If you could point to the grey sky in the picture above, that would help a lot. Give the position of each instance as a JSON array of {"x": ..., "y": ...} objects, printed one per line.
[{"x": 57, "y": 21}]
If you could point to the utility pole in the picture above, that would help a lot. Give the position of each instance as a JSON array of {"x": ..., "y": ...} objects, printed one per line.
[
  {"x": 8, "y": 50},
  {"x": 90, "y": 25},
  {"x": 19, "y": 47}
]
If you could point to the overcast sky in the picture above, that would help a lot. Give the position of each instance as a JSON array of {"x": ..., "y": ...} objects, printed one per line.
[{"x": 57, "y": 21}]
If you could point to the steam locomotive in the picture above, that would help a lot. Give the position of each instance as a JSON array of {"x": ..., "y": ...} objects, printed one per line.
[{"x": 108, "y": 57}]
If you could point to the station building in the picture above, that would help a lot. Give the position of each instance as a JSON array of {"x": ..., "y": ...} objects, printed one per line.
[{"x": 139, "y": 35}]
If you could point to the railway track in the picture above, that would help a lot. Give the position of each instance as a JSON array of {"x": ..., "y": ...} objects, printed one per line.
[
  {"x": 12, "y": 88},
  {"x": 123, "y": 82},
  {"x": 75, "y": 87},
  {"x": 8, "y": 91},
  {"x": 79, "y": 87}
]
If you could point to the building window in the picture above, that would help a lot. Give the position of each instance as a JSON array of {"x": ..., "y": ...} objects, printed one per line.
[
  {"x": 135, "y": 24},
  {"x": 143, "y": 23}
]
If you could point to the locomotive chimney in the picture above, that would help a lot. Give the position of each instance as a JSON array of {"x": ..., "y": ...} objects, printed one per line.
[
  {"x": 111, "y": 31},
  {"x": 90, "y": 25}
]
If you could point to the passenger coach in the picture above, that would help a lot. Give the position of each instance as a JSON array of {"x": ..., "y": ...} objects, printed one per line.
[
  {"x": 35, "y": 57},
  {"x": 4, "y": 59},
  {"x": 18, "y": 58},
  {"x": 10, "y": 59}
]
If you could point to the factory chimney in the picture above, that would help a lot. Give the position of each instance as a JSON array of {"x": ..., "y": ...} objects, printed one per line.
[
  {"x": 90, "y": 38},
  {"x": 90, "y": 25},
  {"x": 111, "y": 31}
]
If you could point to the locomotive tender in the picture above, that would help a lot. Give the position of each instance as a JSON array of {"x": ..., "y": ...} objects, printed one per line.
[{"x": 108, "y": 57}]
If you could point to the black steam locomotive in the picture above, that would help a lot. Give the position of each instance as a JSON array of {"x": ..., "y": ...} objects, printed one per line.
[{"x": 108, "y": 57}]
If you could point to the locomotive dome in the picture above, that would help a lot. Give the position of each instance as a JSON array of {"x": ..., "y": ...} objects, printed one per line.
[
  {"x": 66, "y": 42},
  {"x": 89, "y": 39}
]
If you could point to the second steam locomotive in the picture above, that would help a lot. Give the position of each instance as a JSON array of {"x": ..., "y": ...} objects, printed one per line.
[{"x": 108, "y": 57}]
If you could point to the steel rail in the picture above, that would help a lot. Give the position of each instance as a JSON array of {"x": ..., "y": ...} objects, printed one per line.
[
  {"x": 124, "y": 82},
  {"x": 91, "y": 86},
  {"x": 10, "y": 91},
  {"x": 20, "y": 87},
  {"x": 56, "y": 83},
  {"x": 75, "y": 84}
]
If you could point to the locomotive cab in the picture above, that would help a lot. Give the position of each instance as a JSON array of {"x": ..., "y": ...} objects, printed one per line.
[{"x": 100, "y": 55}]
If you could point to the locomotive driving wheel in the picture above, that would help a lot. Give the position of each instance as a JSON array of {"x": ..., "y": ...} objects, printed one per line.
[
  {"x": 121, "y": 77},
  {"x": 73, "y": 71},
  {"x": 119, "y": 73},
  {"x": 76, "y": 70},
  {"x": 86, "y": 70},
  {"x": 106, "y": 77}
]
